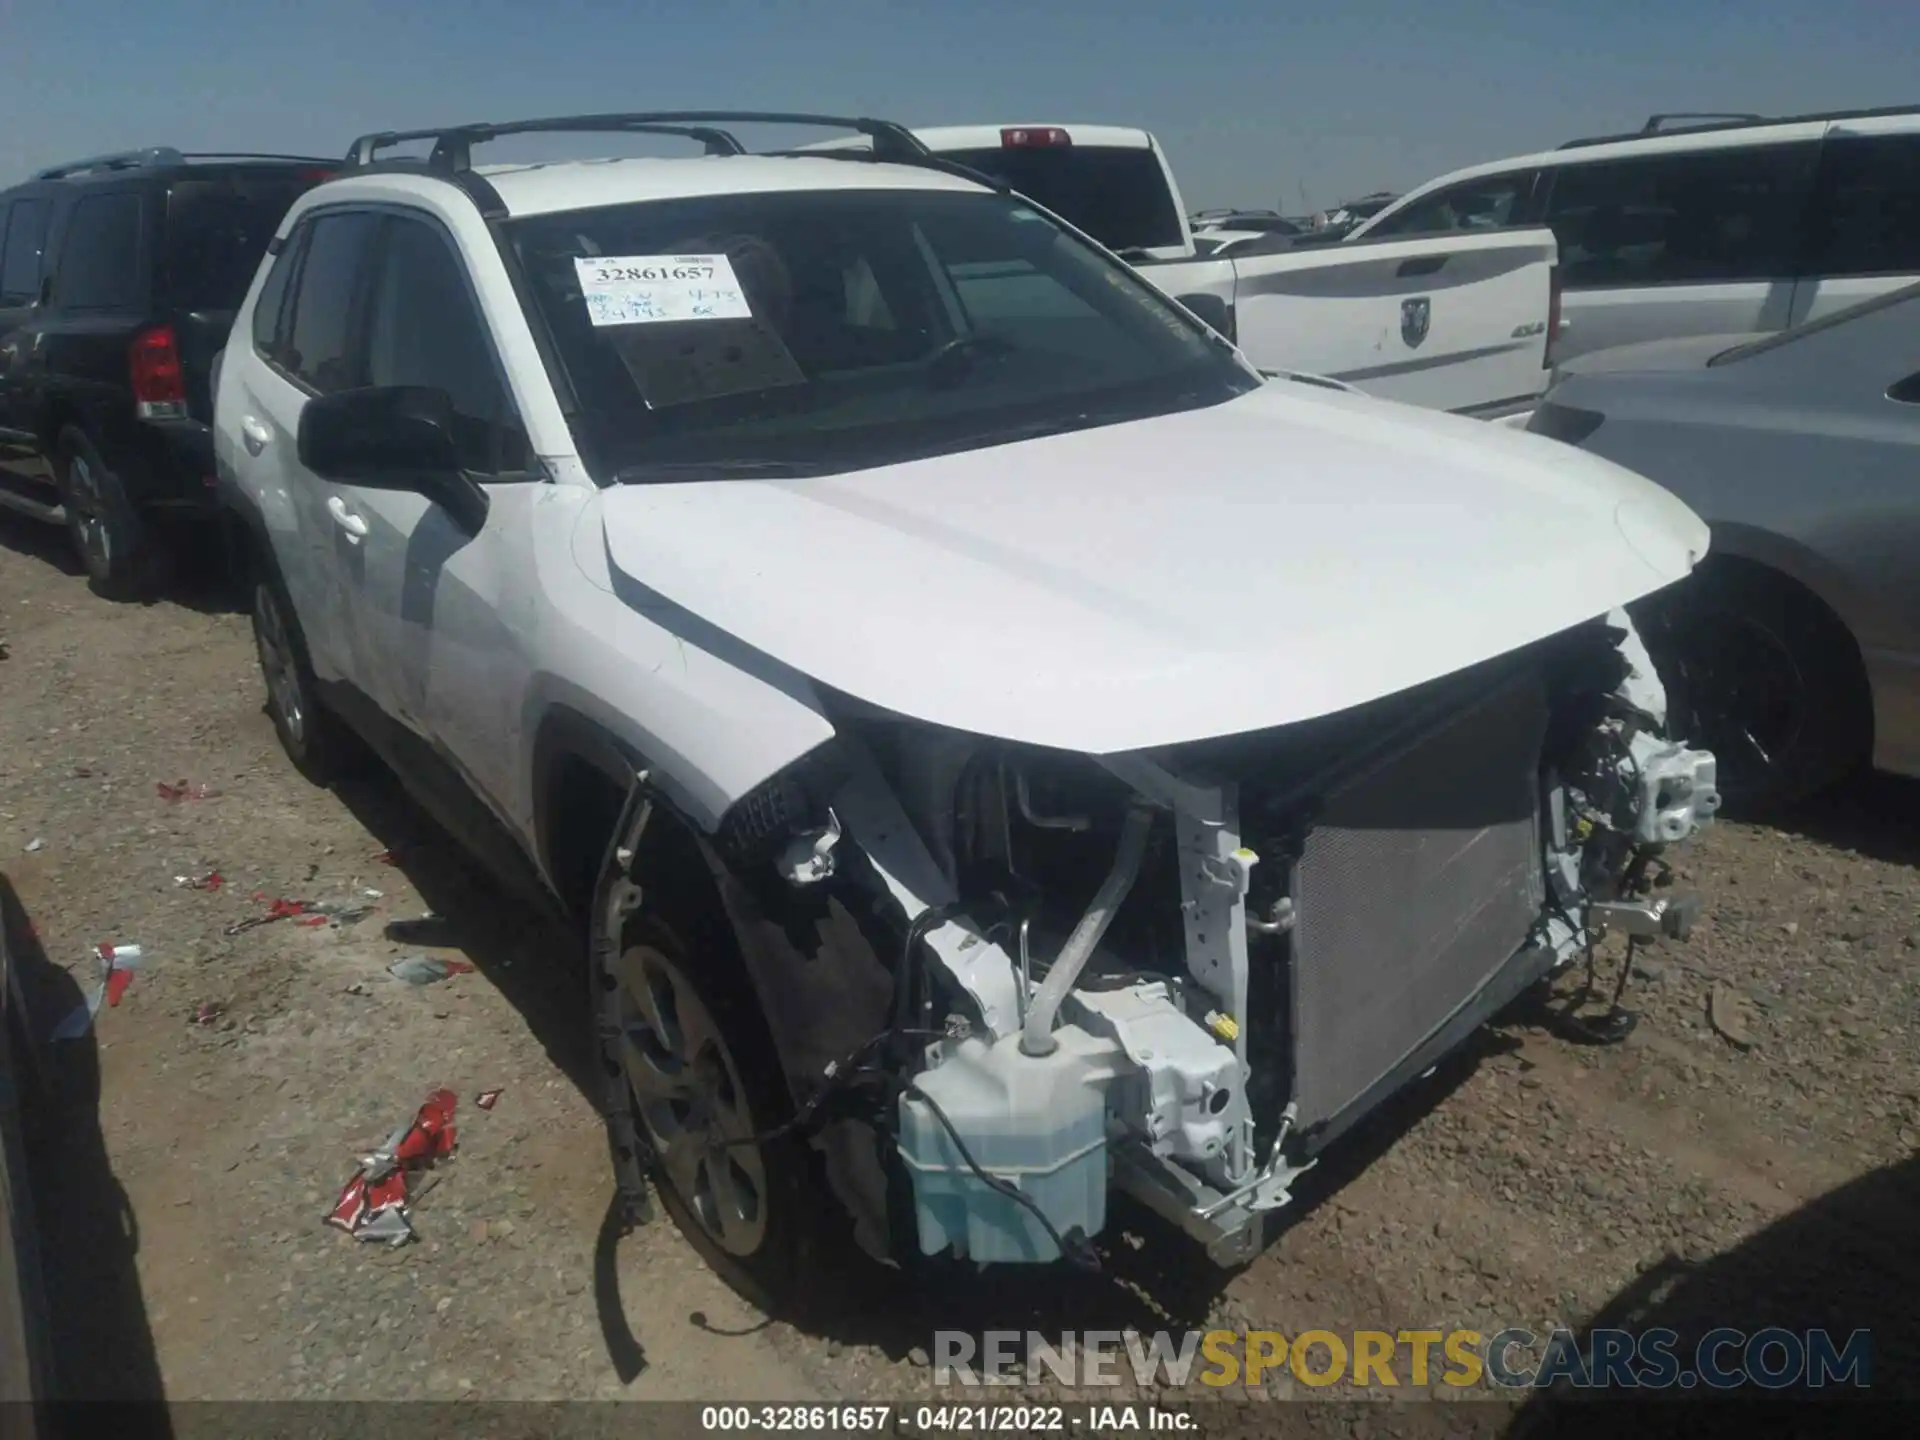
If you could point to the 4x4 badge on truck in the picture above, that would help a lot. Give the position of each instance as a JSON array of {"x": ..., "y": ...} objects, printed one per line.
[{"x": 1415, "y": 317}]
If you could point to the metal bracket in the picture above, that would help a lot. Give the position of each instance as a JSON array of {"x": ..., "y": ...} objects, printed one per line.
[
  {"x": 618, "y": 898},
  {"x": 1214, "y": 875},
  {"x": 1668, "y": 918}
]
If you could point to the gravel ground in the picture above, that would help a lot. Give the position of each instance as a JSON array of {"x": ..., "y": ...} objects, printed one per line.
[{"x": 1748, "y": 1156}]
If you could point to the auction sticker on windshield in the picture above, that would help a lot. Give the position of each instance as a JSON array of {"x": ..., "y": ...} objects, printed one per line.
[{"x": 648, "y": 289}]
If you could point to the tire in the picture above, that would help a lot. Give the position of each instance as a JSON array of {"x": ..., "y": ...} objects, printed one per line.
[
  {"x": 113, "y": 541},
  {"x": 1764, "y": 676},
  {"x": 694, "y": 1051},
  {"x": 316, "y": 741}
]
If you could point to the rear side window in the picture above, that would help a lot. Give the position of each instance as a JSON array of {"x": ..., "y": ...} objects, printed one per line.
[
  {"x": 217, "y": 232},
  {"x": 332, "y": 271},
  {"x": 20, "y": 251},
  {"x": 1701, "y": 217},
  {"x": 99, "y": 262},
  {"x": 1117, "y": 194},
  {"x": 1490, "y": 202},
  {"x": 1866, "y": 218}
]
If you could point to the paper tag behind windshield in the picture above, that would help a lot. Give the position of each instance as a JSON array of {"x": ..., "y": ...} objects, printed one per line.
[{"x": 648, "y": 289}]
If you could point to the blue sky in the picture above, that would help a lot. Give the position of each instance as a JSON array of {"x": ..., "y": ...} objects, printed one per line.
[{"x": 1254, "y": 102}]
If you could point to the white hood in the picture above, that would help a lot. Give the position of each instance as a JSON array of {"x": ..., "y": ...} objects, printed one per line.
[{"x": 1263, "y": 562}]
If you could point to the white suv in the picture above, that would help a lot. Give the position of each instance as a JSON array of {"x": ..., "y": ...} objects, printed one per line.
[
  {"x": 1725, "y": 227},
  {"x": 998, "y": 747}
]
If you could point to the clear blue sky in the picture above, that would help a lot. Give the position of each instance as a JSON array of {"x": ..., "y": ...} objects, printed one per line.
[{"x": 1253, "y": 101}]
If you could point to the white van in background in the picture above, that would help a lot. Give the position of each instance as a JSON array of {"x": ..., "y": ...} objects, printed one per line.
[{"x": 1700, "y": 225}]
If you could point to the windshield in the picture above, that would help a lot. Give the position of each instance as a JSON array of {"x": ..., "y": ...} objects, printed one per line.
[
  {"x": 217, "y": 230},
  {"x": 1118, "y": 194},
  {"x": 817, "y": 331}
]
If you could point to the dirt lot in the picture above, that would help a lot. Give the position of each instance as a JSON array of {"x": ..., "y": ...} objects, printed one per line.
[{"x": 1679, "y": 1177}]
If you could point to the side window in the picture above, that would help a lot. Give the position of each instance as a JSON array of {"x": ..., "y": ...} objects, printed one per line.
[
  {"x": 269, "y": 311},
  {"x": 1488, "y": 203},
  {"x": 319, "y": 347},
  {"x": 1866, "y": 220},
  {"x": 1702, "y": 217},
  {"x": 26, "y": 236},
  {"x": 425, "y": 329},
  {"x": 99, "y": 263}
]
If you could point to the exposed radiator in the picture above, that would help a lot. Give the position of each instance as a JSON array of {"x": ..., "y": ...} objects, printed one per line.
[{"x": 1421, "y": 879}]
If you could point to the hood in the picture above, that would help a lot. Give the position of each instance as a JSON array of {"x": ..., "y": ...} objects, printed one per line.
[
  {"x": 1280, "y": 557},
  {"x": 1689, "y": 352}
]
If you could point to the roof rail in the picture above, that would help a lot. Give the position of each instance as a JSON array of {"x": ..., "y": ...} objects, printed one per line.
[
  {"x": 1657, "y": 124},
  {"x": 251, "y": 155},
  {"x": 453, "y": 144},
  {"x": 122, "y": 160}
]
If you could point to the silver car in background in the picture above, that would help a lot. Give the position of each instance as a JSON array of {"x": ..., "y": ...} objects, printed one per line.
[{"x": 1793, "y": 651}]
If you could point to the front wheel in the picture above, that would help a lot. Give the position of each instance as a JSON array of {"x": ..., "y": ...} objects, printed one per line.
[
  {"x": 1765, "y": 678},
  {"x": 687, "y": 1041}
]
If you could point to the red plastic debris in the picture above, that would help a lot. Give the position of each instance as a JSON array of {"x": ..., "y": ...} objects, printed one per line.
[
  {"x": 487, "y": 1099},
  {"x": 183, "y": 790},
  {"x": 212, "y": 880},
  {"x": 117, "y": 982},
  {"x": 209, "y": 1012},
  {"x": 276, "y": 910},
  {"x": 385, "y": 857},
  {"x": 373, "y": 1206}
]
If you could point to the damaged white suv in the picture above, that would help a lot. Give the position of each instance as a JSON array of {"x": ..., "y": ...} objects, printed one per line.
[{"x": 1001, "y": 747}]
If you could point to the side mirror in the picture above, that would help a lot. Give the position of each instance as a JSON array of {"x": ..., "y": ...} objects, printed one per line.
[{"x": 393, "y": 437}]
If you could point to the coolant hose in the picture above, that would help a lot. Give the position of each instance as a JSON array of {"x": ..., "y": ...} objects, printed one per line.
[{"x": 1036, "y": 1038}]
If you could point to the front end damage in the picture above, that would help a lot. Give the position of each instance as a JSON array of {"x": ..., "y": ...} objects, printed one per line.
[{"x": 1183, "y": 973}]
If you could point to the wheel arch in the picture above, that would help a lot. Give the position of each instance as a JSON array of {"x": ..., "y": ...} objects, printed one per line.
[{"x": 1806, "y": 576}]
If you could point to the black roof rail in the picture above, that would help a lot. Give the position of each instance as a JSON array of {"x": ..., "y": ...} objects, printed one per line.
[
  {"x": 120, "y": 160},
  {"x": 453, "y": 144},
  {"x": 332, "y": 161},
  {"x": 1657, "y": 124}
]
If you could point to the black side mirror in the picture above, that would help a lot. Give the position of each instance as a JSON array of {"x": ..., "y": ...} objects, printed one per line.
[{"x": 392, "y": 437}]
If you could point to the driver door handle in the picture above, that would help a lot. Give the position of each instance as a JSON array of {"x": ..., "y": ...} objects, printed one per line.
[
  {"x": 254, "y": 434},
  {"x": 355, "y": 527}
]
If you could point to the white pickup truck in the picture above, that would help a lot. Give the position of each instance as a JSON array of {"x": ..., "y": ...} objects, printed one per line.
[{"x": 1454, "y": 322}]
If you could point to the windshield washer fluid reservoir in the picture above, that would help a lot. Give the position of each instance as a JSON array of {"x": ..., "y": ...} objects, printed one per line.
[{"x": 1037, "y": 1122}]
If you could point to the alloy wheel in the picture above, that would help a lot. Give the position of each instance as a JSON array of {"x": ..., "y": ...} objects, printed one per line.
[
  {"x": 87, "y": 516},
  {"x": 1743, "y": 695},
  {"x": 688, "y": 1097}
]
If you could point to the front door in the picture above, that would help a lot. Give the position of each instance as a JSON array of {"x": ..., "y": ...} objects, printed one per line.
[{"x": 437, "y": 608}]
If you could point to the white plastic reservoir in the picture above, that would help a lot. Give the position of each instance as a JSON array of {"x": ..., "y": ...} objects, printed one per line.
[{"x": 1036, "y": 1122}]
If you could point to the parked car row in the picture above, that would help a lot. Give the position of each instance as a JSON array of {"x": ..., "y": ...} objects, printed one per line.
[{"x": 1000, "y": 742}]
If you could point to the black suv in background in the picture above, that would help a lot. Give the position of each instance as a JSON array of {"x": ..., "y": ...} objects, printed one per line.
[{"x": 119, "y": 277}]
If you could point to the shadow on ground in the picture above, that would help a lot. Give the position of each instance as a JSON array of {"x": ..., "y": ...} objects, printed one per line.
[
  {"x": 199, "y": 576},
  {"x": 1844, "y": 1264},
  {"x": 89, "y": 1237},
  {"x": 1874, "y": 815}
]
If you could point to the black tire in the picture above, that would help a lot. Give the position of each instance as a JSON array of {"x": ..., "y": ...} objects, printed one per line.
[
  {"x": 772, "y": 1270},
  {"x": 1764, "y": 676},
  {"x": 114, "y": 542},
  {"x": 316, "y": 741}
]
